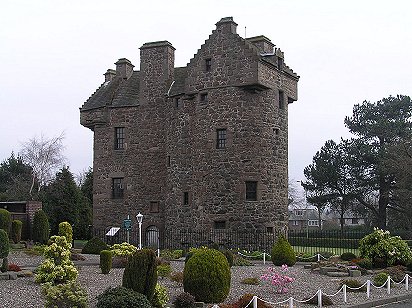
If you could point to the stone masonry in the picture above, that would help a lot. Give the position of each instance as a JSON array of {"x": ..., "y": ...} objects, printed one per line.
[{"x": 194, "y": 137}]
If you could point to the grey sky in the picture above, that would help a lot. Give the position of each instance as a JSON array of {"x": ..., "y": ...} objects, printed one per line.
[{"x": 53, "y": 55}]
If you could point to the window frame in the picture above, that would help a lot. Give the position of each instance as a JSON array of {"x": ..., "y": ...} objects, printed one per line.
[
  {"x": 221, "y": 138},
  {"x": 281, "y": 99},
  {"x": 208, "y": 64},
  {"x": 185, "y": 198},
  {"x": 119, "y": 138},
  {"x": 219, "y": 225},
  {"x": 117, "y": 188},
  {"x": 203, "y": 97},
  {"x": 251, "y": 190},
  {"x": 154, "y": 207}
]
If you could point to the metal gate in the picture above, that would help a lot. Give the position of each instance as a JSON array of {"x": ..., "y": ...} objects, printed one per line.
[{"x": 152, "y": 237}]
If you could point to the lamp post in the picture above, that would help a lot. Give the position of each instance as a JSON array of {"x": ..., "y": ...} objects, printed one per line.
[{"x": 139, "y": 218}]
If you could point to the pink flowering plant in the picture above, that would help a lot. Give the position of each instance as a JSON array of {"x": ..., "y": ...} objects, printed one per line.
[{"x": 279, "y": 280}]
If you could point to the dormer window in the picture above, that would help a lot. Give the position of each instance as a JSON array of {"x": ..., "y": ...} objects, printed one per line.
[{"x": 208, "y": 64}]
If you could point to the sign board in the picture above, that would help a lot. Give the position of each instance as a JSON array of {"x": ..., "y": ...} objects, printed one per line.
[
  {"x": 127, "y": 224},
  {"x": 112, "y": 231}
]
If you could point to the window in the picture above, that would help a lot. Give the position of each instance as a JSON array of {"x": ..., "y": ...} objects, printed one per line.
[
  {"x": 269, "y": 229},
  {"x": 251, "y": 190},
  {"x": 295, "y": 223},
  {"x": 208, "y": 65},
  {"x": 299, "y": 212},
  {"x": 281, "y": 100},
  {"x": 276, "y": 131},
  {"x": 313, "y": 222},
  {"x": 117, "y": 188},
  {"x": 219, "y": 224},
  {"x": 221, "y": 138},
  {"x": 185, "y": 198},
  {"x": 119, "y": 138},
  {"x": 177, "y": 102},
  {"x": 203, "y": 97},
  {"x": 154, "y": 207},
  {"x": 355, "y": 221},
  {"x": 168, "y": 160},
  {"x": 280, "y": 63}
]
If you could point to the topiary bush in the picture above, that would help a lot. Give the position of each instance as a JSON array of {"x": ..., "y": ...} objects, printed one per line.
[
  {"x": 5, "y": 220},
  {"x": 41, "y": 227},
  {"x": 65, "y": 295},
  {"x": 207, "y": 276},
  {"x": 4, "y": 250},
  {"x": 66, "y": 230},
  {"x": 16, "y": 227},
  {"x": 380, "y": 279},
  {"x": 160, "y": 296},
  {"x": 184, "y": 300},
  {"x": 347, "y": 256},
  {"x": 94, "y": 246},
  {"x": 384, "y": 249},
  {"x": 122, "y": 297},
  {"x": 140, "y": 273},
  {"x": 283, "y": 253},
  {"x": 106, "y": 261}
]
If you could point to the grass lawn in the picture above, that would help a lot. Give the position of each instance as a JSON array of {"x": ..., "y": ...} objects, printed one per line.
[{"x": 313, "y": 250}]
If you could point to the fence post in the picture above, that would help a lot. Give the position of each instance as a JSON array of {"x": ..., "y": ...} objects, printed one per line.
[
  {"x": 368, "y": 288},
  {"x": 291, "y": 302},
  {"x": 388, "y": 285},
  {"x": 318, "y": 257},
  {"x": 407, "y": 282},
  {"x": 255, "y": 303},
  {"x": 344, "y": 294},
  {"x": 264, "y": 258},
  {"x": 320, "y": 298}
]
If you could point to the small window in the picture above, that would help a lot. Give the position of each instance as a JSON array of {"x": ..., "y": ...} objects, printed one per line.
[
  {"x": 298, "y": 212},
  {"x": 280, "y": 63},
  {"x": 117, "y": 188},
  {"x": 168, "y": 160},
  {"x": 119, "y": 138},
  {"x": 185, "y": 198},
  {"x": 208, "y": 65},
  {"x": 276, "y": 131},
  {"x": 355, "y": 221},
  {"x": 251, "y": 190},
  {"x": 281, "y": 100},
  {"x": 313, "y": 222},
  {"x": 219, "y": 224},
  {"x": 295, "y": 223},
  {"x": 203, "y": 97},
  {"x": 221, "y": 138},
  {"x": 269, "y": 230},
  {"x": 154, "y": 207},
  {"x": 177, "y": 102}
]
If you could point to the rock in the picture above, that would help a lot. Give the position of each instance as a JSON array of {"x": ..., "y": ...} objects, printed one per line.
[
  {"x": 337, "y": 274},
  {"x": 326, "y": 269},
  {"x": 307, "y": 266},
  {"x": 355, "y": 273},
  {"x": 12, "y": 275},
  {"x": 4, "y": 276}
]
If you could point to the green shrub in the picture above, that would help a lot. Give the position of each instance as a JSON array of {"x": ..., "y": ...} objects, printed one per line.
[
  {"x": 250, "y": 281},
  {"x": 66, "y": 230},
  {"x": 66, "y": 295},
  {"x": 380, "y": 279},
  {"x": 94, "y": 246},
  {"x": 384, "y": 249},
  {"x": 184, "y": 300},
  {"x": 347, "y": 256},
  {"x": 207, "y": 276},
  {"x": 4, "y": 250},
  {"x": 283, "y": 253},
  {"x": 16, "y": 227},
  {"x": 140, "y": 273},
  {"x": 106, "y": 261},
  {"x": 122, "y": 297},
  {"x": 41, "y": 227},
  {"x": 229, "y": 256},
  {"x": 164, "y": 270},
  {"x": 365, "y": 263},
  {"x": 160, "y": 296},
  {"x": 240, "y": 261},
  {"x": 123, "y": 249},
  {"x": 5, "y": 220},
  {"x": 57, "y": 267},
  {"x": 353, "y": 284}
]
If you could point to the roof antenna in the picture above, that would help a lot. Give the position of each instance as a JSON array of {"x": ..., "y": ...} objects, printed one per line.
[{"x": 245, "y": 31}]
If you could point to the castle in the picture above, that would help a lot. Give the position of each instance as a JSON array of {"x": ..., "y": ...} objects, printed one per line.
[{"x": 198, "y": 147}]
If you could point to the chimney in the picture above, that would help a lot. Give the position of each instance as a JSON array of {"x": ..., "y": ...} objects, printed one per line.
[
  {"x": 109, "y": 75},
  {"x": 226, "y": 24},
  {"x": 124, "y": 68},
  {"x": 263, "y": 44}
]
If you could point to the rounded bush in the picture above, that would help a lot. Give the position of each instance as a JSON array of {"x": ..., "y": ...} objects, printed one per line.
[
  {"x": 105, "y": 261},
  {"x": 365, "y": 263},
  {"x": 347, "y": 256},
  {"x": 5, "y": 220},
  {"x": 66, "y": 230},
  {"x": 122, "y": 297},
  {"x": 123, "y": 249},
  {"x": 94, "y": 246},
  {"x": 64, "y": 295},
  {"x": 283, "y": 253},
  {"x": 16, "y": 227},
  {"x": 380, "y": 279},
  {"x": 207, "y": 276},
  {"x": 140, "y": 273},
  {"x": 184, "y": 300},
  {"x": 4, "y": 244},
  {"x": 41, "y": 227}
]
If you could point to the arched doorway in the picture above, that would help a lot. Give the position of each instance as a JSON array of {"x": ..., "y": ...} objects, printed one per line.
[{"x": 152, "y": 237}]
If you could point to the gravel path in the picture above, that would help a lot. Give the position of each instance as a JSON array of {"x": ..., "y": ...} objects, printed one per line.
[{"x": 24, "y": 292}]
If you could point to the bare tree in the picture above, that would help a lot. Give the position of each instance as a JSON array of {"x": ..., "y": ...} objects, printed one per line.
[{"x": 45, "y": 157}]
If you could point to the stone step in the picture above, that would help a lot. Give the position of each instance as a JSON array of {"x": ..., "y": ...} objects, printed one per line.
[{"x": 337, "y": 274}]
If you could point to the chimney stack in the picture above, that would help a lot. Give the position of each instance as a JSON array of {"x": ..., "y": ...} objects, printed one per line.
[
  {"x": 109, "y": 75},
  {"x": 226, "y": 24},
  {"x": 263, "y": 44},
  {"x": 124, "y": 68}
]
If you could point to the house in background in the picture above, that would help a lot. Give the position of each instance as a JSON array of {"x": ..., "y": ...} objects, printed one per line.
[
  {"x": 350, "y": 218},
  {"x": 304, "y": 218}
]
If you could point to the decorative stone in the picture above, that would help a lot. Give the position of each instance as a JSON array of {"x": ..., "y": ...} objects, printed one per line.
[
  {"x": 337, "y": 274},
  {"x": 4, "y": 276},
  {"x": 307, "y": 266},
  {"x": 326, "y": 269},
  {"x": 12, "y": 275},
  {"x": 355, "y": 273}
]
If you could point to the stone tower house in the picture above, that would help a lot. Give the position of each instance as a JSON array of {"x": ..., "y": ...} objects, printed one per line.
[{"x": 202, "y": 146}]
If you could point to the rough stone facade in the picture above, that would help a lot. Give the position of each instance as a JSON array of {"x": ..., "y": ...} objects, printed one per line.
[{"x": 170, "y": 165}]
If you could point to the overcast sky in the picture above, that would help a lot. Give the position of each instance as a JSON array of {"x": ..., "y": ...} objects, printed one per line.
[{"x": 53, "y": 55}]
